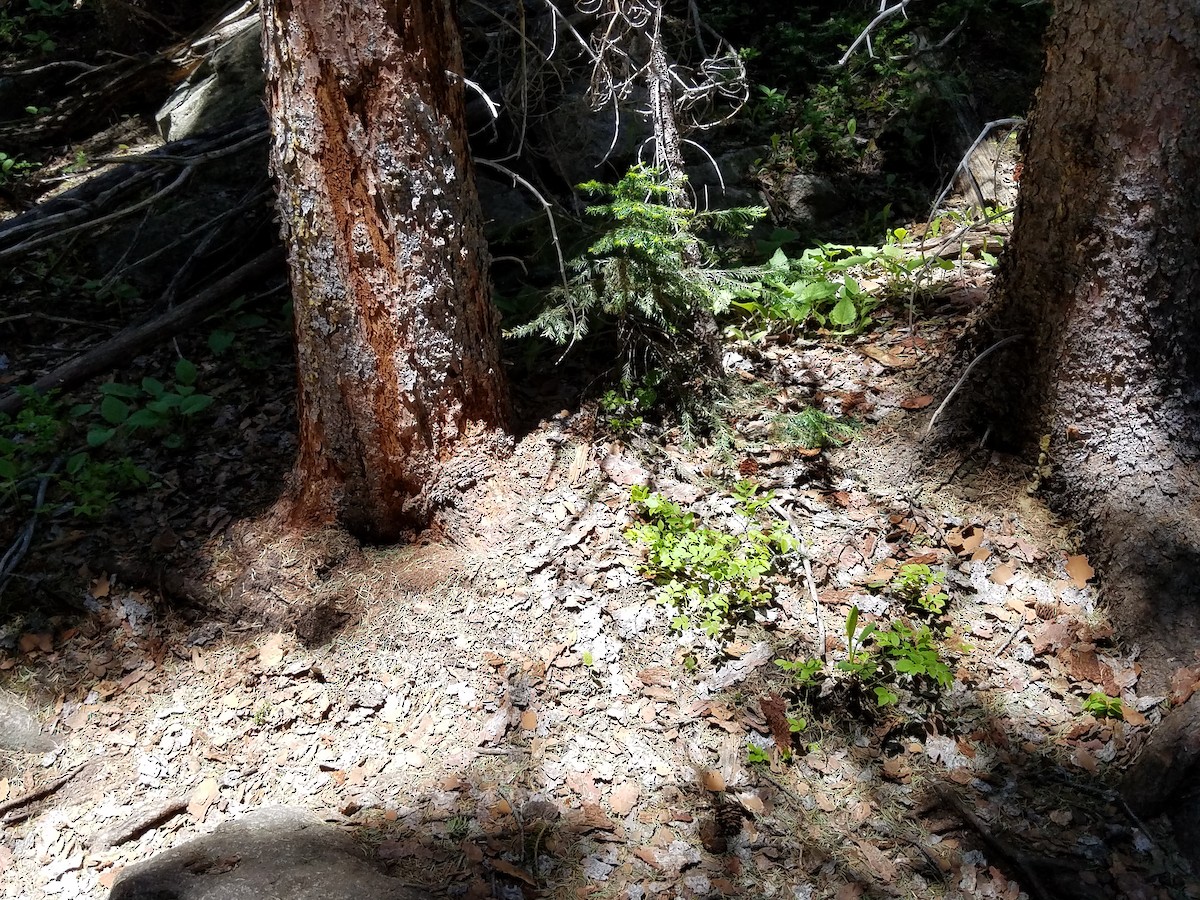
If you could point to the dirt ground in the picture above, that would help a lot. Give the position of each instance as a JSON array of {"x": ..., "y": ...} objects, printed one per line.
[{"x": 506, "y": 712}]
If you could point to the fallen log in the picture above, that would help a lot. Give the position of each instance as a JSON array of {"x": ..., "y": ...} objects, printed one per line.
[{"x": 137, "y": 338}]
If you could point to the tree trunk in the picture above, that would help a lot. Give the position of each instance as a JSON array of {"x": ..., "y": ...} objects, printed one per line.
[
  {"x": 1103, "y": 277},
  {"x": 397, "y": 342}
]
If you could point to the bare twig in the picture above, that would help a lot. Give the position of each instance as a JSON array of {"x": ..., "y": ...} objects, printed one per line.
[
  {"x": 18, "y": 549},
  {"x": 781, "y": 510},
  {"x": 517, "y": 179},
  {"x": 256, "y": 133},
  {"x": 34, "y": 243},
  {"x": 995, "y": 844},
  {"x": 885, "y": 13},
  {"x": 964, "y": 164},
  {"x": 140, "y": 820},
  {"x": 962, "y": 380}
]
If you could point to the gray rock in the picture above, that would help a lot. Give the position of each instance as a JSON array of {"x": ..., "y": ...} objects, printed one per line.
[
  {"x": 808, "y": 199},
  {"x": 228, "y": 83},
  {"x": 20, "y": 729},
  {"x": 275, "y": 853}
]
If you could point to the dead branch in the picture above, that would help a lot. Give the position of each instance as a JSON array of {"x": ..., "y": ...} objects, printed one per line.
[
  {"x": 41, "y": 241},
  {"x": 964, "y": 164},
  {"x": 21, "y": 545},
  {"x": 962, "y": 380},
  {"x": 885, "y": 13},
  {"x": 133, "y": 340},
  {"x": 995, "y": 845},
  {"x": 141, "y": 819},
  {"x": 517, "y": 179},
  {"x": 7, "y": 807},
  {"x": 88, "y": 204}
]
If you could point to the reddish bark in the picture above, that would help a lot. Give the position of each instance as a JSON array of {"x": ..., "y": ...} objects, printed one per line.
[{"x": 397, "y": 342}]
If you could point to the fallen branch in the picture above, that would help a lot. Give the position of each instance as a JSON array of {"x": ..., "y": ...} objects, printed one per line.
[
  {"x": 20, "y": 546},
  {"x": 140, "y": 820},
  {"x": 36, "y": 794},
  {"x": 995, "y": 845},
  {"x": 128, "y": 343}
]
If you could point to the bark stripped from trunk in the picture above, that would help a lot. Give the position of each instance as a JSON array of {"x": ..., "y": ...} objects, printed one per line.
[
  {"x": 397, "y": 342},
  {"x": 1104, "y": 275}
]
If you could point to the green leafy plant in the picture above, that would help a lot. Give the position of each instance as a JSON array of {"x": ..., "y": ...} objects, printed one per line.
[
  {"x": 711, "y": 577},
  {"x": 757, "y": 756},
  {"x": 625, "y": 410},
  {"x": 12, "y": 167},
  {"x": 649, "y": 276},
  {"x": 152, "y": 406},
  {"x": 262, "y": 713},
  {"x": 816, "y": 290},
  {"x": 813, "y": 429},
  {"x": 17, "y": 23},
  {"x": 911, "y": 654},
  {"x": 804, "y": 672},
  {"x": 34, "y": 449},
  {"x": 882, "y": 660},
  {"x": 920, "y": 588},
  {"x": 860, "y": 663},
  {"x": 1102, "y": 706},
  {"x": 770, "y": 104}
]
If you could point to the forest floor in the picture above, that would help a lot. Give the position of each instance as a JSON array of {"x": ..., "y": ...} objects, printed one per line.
[{"x": 507, "y": 712}]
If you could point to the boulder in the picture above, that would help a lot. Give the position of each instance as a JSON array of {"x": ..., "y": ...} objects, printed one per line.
[
  {"x": 275, "y": 853},
  {"x": 229, "y": 82}
]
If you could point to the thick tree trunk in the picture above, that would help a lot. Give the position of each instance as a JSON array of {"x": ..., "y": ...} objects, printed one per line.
[
  {"x": 397, "y": 342},
  {"x": 1103, "y": 276}
]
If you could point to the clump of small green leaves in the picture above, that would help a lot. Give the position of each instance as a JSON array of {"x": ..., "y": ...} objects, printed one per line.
[
  {"x": 879, "y": 658},
  {"x": 711, "y": 577},
  {"x": 12, "y": 167},
  {"x": 882, "y": 660},
  {"x": 152, "y": 407},
  {"x": 649, "y": 275},
  {"x": 757, "y": 756},
  {"x": 624, "y": 410},
  {"x": 18, "y": 20},
  {"x": 814, "y": 291},
  {"x": 1102, "y": 706},
  {"x": 262, "y": 713},
  {"x": 920, "y": 589},
  {"x": 804, "y": 672},
  {"x": 813, "y": 429},
  {"x": 34, "y": 449}
]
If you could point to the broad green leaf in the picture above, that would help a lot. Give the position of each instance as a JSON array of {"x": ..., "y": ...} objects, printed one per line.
[
  {"x": 185, "y": 372},
  {"x": 145, "y": 418},
  {"x": 116, "y": 389},
  {"x": 844, "y": 313},
  {"x": 815, "y": 291},
  {"x": 114, "y": 411},
  {"x": 97, "y": 437},
  {"x": 220, "y": 341},
  {"x": 153, "y": 387},
  {"x": 194, "y": 404}
]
